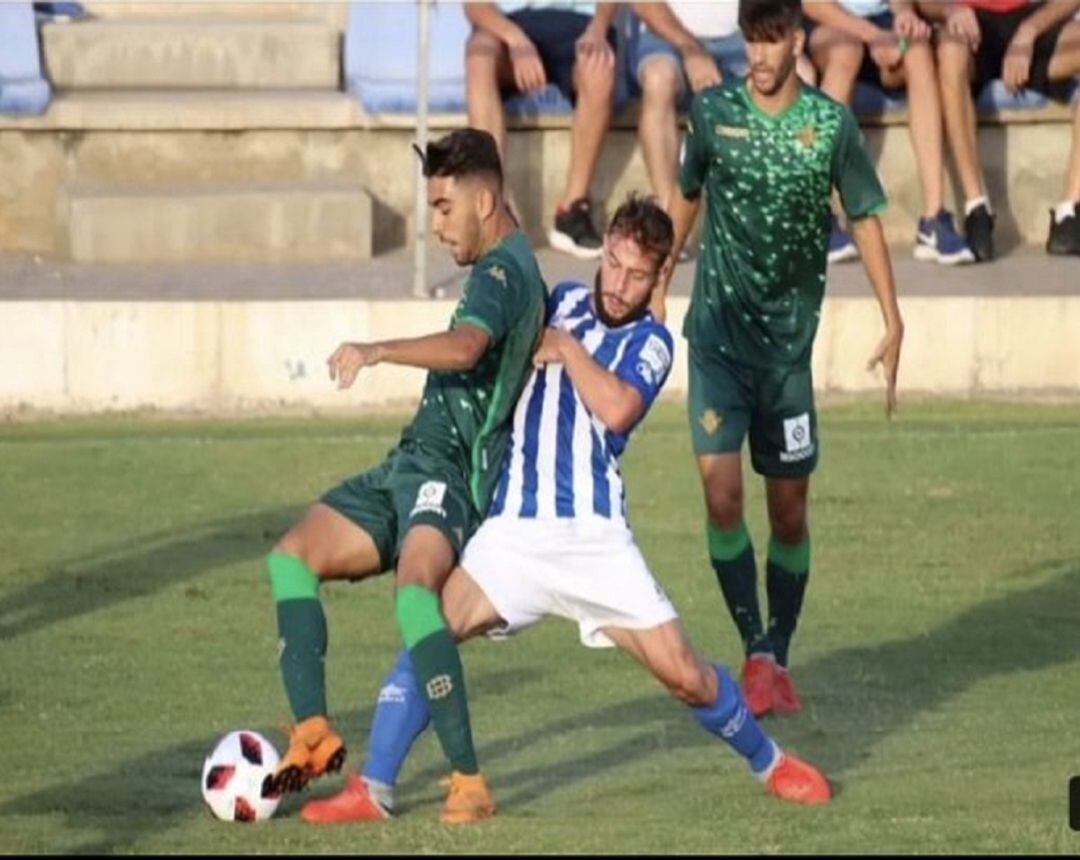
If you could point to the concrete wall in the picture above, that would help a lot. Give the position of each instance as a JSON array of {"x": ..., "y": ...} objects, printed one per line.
[
  {"x": 169, "y": 145},
  {"x": 236, "y": 356}
]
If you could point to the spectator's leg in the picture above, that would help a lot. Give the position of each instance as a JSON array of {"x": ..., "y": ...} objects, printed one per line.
[
  {"x": 924, "y": 122},
  {"x": 487, "y": 73},
  {"x": 1072, "y": 179},
  {"x": 592, "y": 116},
  {"x": 658, "y": 131},
  {"x": 837, "y": 57},
  {"x": 955, "y": 66},
  {"x": 1065, "y": 63}
]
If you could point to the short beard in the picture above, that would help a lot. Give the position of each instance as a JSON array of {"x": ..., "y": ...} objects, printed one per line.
[{"x": 632, "y": 315}]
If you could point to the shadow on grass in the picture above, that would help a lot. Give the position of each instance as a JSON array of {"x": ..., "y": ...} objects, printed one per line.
[
  {"x": 149, "y": 794},
  {"x": 857, "y": 697},
  {"x": 105, "y": 579}
]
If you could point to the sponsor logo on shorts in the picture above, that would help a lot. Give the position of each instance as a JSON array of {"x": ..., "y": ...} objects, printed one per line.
[
  {"x": 429, "y": 499},
  {"x": 439, "y": 687},
  {"x": 797, "y": 441},
  {"x": 733, "y": 131},
  {"x": 392, "y": 694},
  {"x": 653, "y": 360},
  {"x": 710, "y": 421}
]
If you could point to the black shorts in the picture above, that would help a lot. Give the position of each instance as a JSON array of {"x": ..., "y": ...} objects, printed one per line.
[
  {"x": 555, "y": 33},
  {"x": 997, "y": 30}
]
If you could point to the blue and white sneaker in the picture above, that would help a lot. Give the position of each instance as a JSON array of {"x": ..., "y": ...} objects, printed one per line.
[
  {"x": 841, "y": 245},
  {"x": 937, "y": 241}
]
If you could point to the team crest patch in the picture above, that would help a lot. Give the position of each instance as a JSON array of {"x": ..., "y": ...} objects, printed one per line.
[
  {"x": 807, "y": 137},
  {"x": 498, "y": 273},
  {"x": 710, "y": 421},
  {"x": 429, "y": 499},
  {"x": 439, "y": 687}
]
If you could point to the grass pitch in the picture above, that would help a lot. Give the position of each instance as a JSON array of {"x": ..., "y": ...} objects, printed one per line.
[{"x": 938, "y": 651}]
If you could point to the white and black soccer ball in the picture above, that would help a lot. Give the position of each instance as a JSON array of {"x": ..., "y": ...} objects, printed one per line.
[{"x": 233, "y": 776}]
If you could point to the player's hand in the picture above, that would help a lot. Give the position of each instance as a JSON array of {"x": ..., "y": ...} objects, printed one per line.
[
  {"x": 594, "y": 53},
  {"x": 1016, "y": 70},
  {"x": 885, "y": 51},
  {"x": 908, "y": 25},
  {"x": 962, "y": 24},
  {"x": 887, "y": 355},
  {"x": 551, "y": 346},
  {"x": 349, "y": 358},
  {"x": 700, "y": 67},
  {"x": 527, "y": 66}
]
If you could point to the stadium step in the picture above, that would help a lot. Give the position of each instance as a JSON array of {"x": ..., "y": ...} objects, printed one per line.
[
  {"x": 196, "y": 53},
  {"x": 292, "y": 222}
]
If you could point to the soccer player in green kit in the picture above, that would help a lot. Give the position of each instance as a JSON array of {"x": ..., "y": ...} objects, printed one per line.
[
  {"x": 416, "y": 510},
  {"x": 769, "y": 151}
]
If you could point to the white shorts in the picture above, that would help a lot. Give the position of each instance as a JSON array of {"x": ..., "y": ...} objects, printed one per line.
[{"x": 587, "y": 570}]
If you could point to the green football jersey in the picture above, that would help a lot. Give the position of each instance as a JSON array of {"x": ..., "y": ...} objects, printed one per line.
[
  {"x": 465, "y": 418},
  {"x": 760, "y": 277}
]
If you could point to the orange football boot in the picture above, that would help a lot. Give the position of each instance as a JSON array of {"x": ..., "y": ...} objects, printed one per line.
[
  {"x": 795, "y": 780},
  {"x": 314, "y": 749},
  {"x": 469, "y": 799},
  {"x": 785, "y": 699},
  {"x": 352, "y": 803},
  {"x": 757, "y": 679}
]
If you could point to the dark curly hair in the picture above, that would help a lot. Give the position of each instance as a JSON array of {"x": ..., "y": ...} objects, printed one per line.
[{"x": 644, "y": 221}]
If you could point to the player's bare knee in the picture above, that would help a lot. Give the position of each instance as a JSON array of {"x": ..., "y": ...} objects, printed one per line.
[
  {"x": 789, "y": 524},
  {"x": 294, "y": 544},
  {"x": 725, "y": 505}
]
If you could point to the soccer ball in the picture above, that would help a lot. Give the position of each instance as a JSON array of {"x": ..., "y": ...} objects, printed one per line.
[{"x": 233, "y": 775}]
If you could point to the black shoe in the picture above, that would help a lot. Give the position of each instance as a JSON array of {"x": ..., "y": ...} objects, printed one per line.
[
  {"x": 1064, "y": 235},
  {"x": 574, "y": 232},
  {"x": 979, "y": 231}
]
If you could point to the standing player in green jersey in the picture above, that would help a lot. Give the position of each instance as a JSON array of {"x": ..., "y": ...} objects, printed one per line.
[
  {"x": 768, "y": 151},
  {"x": 416, "y": 510}
]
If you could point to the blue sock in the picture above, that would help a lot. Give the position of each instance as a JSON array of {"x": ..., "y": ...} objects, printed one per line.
[
  {"x": 730, "y": 719},
  {"x": 400, "y": 716}
]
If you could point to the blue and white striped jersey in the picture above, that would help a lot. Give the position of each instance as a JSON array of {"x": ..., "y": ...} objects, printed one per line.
[{"x": 562, "y": 462}]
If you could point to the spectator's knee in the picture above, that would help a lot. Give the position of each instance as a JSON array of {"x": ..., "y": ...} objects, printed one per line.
[{"x": 659, "y": 81}]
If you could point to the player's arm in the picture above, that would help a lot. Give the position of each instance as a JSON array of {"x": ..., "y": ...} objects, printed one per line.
[
  {"x": 528, "y": 68},
  {"x": 456, "y": 350},
  {"x": 1016, "y": 67},
  {"x": 683, "y": 212},
  {"x": 618, "y": 404},
  {"x": 870, "y": 240}
]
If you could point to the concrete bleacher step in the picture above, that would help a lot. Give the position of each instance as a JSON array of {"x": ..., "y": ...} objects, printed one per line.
[
  {"x": 274, "y": 224},
  {"x": 197, "y": 53}
]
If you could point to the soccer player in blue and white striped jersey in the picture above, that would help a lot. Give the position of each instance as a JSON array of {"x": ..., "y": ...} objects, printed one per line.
[{"x": 556, "y": 540}]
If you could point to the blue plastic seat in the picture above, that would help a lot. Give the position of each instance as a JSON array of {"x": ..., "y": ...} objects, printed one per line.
[
  {"x": 23, "y": 88},
  {"x": 381, "y": 45}
]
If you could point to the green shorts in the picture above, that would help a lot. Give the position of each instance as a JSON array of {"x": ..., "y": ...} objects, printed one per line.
[
  {"x": 408, "y": 489},
  {"x": 775, "y": 404}
]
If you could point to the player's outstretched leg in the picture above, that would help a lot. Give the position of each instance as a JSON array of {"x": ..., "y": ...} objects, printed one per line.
[
  {"x": 785, "y": 776},
  {"x": 720, "y": 708},
  {"x": 401, "y": 714}
]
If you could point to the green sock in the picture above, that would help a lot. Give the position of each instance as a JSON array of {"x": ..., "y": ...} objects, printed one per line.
[
  {"x": 437, "y": 664},
  {"x": 786, "y": 574},
  {"x": 302, "y": 631},
  {"x": 732, "y": 556}
]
